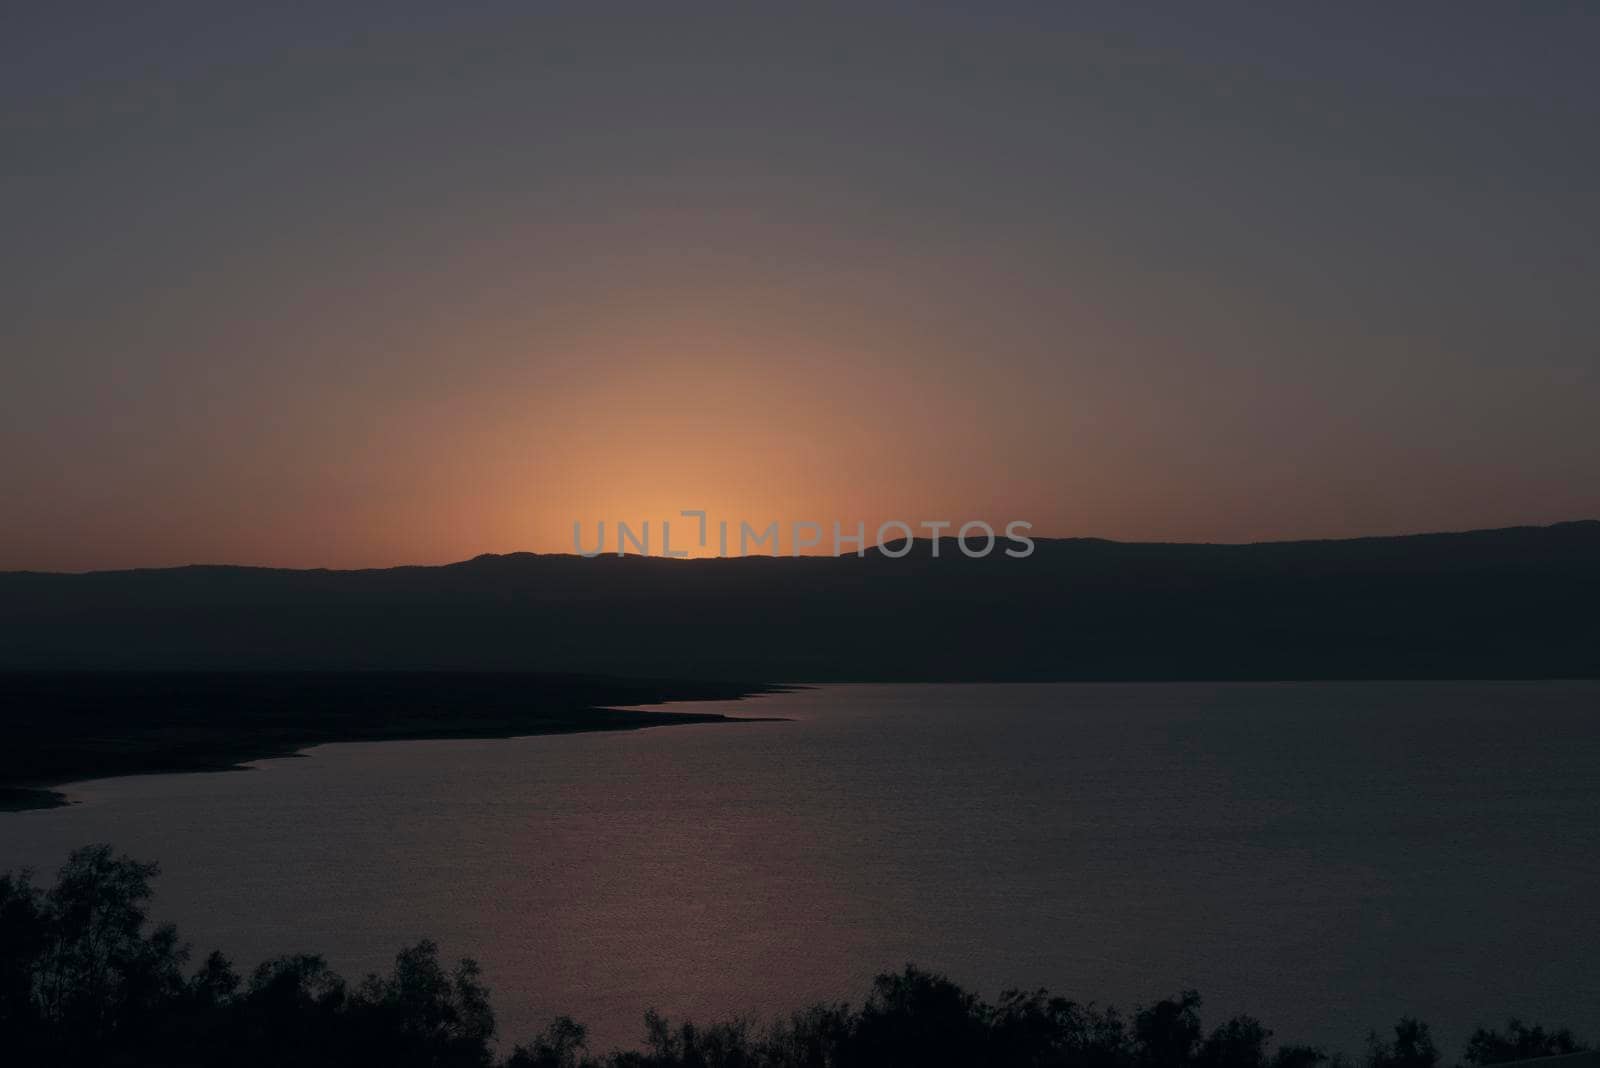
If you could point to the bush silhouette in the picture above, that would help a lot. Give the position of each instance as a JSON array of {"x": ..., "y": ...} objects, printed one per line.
[
  {"x": 87, "y": 979},
  {"x": 1412, "y": 1047},
  {"x": 1518, "y": 1043}
]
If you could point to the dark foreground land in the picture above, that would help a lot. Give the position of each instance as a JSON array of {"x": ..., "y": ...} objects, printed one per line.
[
  {"x": 65, "y": 726},
  {"x": 85, "y": 979}
]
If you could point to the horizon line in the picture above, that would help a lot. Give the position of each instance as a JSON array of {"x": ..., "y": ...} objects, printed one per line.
[{"x": 1040, "y": 540}]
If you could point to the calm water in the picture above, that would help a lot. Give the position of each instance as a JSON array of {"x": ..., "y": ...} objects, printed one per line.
[{"x": 1326, "y": 856}]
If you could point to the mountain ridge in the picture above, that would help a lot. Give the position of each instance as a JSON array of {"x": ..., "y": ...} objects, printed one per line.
[
  {"x": 1506, "y": 602},
  {"x": 523, "y": 554}
]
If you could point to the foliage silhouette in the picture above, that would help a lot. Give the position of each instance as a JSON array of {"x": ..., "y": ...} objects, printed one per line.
[
  {"x": 1412, "y": 1047},
  {"x": 1518, "y": 1043},
  {"x": 87, "y": 979}
]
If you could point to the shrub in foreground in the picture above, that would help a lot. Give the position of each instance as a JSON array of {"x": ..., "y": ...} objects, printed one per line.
[{"x": 86, "y": 979}]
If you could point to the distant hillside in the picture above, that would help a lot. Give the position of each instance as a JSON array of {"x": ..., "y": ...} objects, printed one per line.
[{"x": 1520, "y": 602}]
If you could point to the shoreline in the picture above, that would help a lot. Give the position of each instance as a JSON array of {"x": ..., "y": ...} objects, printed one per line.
[{"x": 74, "y": 727}]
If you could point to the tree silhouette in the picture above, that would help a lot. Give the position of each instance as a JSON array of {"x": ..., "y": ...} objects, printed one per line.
[
  {"x": 87, "y": 980},
  {"x": 1412, "y": 1047},
  {"x": 1519, "y": 1042}
]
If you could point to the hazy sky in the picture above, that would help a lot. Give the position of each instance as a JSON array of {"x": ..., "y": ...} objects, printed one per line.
[{"x": 364, "y": 284}]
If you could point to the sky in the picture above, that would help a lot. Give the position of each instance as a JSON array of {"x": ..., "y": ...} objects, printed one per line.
[{"x": 364, "y": 284}]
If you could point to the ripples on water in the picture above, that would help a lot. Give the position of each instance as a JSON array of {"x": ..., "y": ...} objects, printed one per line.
[{"x": 1324, "y": 856}]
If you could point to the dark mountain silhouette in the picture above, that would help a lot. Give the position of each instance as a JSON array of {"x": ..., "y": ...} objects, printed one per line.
[{"x": 1518, "y": 602}]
